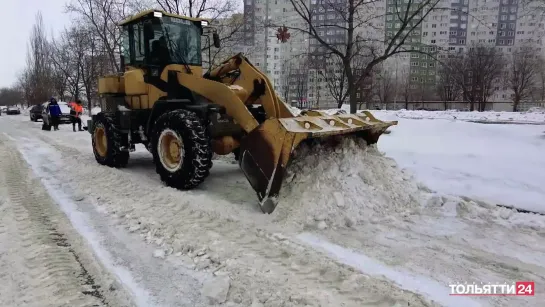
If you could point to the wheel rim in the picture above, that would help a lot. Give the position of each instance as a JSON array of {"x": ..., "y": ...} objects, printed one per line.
[
  {"x": 171, "y": 150},
  {"x": 101, "y": 142}
]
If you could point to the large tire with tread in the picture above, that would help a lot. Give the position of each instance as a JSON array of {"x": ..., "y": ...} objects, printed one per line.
[
  {"x": 187, "y": 163},
  {"x": 236, "y": 152},
  {"x": 107, "y": 141}
]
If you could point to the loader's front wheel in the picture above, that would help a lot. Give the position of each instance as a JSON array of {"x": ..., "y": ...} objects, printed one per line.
[
  {"x": 181, "y": 149},
  {"x": 107, "y": 142}
]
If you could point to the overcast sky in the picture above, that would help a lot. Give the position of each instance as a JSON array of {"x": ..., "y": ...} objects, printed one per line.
[{"x": 16, "y": 21}]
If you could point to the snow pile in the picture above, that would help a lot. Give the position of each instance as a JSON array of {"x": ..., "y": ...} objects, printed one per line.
[
  {"x": 536, "y": 110},
  {"x": 294, "y": 110},
  {"x": 95, "y": 110},
  {"x": 354, "y": 184},
  {"x": 335, "y": 111},
  {"x": 345, "y": 185},
  {"x": 479, "y": 211}
]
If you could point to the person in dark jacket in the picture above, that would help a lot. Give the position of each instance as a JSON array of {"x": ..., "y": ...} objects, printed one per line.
[{"x": 55, "y": 112}]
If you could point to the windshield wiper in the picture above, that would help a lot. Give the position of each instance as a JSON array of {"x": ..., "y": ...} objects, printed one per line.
[{"x": 179, "y": 53}]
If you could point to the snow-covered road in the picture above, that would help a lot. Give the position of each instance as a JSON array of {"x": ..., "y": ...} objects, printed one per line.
[
  {"x": 43, "y": 262},
  {"x": 399, "y": 246}
]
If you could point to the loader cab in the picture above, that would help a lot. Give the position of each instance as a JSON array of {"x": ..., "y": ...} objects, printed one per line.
[{"x": 155, "y": 39}]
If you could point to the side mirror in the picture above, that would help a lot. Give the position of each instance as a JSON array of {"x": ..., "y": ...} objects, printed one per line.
[
  {"x": 216, "y": 38},
  {"x": 148, "y": 31}
]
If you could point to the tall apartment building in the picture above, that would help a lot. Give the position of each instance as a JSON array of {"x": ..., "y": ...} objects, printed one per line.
[
  {"x": 276, "y": 59},
  {"x": 507, "y": 24},
  {"x": 294, "y": 74}
]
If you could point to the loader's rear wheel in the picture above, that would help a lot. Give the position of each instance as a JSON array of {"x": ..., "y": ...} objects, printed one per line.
[
  {"x": 107, "y": 142},
  {"x": 101, "y": 142},
  {"x": 171, "y": 150},
  {"x": 181, "y": 149}
]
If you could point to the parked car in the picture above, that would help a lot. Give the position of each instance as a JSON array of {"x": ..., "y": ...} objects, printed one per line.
[
  {"x": 46, "y": 118},
  {"x": 3, "y": 110},
  {"x": 11, "y": 110},
  {"x": 36, "y": 112}
]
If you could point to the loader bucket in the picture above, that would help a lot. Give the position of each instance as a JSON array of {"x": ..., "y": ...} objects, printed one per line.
[{"x": 266, "y": 151}]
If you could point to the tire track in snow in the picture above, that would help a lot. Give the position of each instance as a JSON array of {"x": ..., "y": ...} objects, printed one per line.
[
  {"x": 454, "y": 256},
  {"x": 263, "y": 265},
  {"x": 44, "y": 269}
]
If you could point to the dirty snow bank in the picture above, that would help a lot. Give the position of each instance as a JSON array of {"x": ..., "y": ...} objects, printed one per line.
[{"x": 357, "y": 183}]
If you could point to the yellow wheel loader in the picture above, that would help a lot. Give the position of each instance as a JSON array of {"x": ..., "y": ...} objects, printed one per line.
[{"x": 164, "y": 101}]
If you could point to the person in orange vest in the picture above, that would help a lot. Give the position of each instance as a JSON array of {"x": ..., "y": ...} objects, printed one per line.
[{"x": 75, "y": 113}]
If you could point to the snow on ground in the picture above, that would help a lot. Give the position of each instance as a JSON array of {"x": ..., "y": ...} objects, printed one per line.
[
  {"x": 344, "y": 179},
  {"x": 385, "y": 240},
  {"x": 263, "y": 265},
  {"x": 128, "y": 258},
  {"x": 502, "y": 164},
  {"x": 533, "y": 116},
  {"x": 495, "y": 162},
  {"x": 42, "y": 260},
  {"x": 390, "y": 216}
]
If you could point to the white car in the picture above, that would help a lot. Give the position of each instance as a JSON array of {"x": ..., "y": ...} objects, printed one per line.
[
  {"x": 46, "y": 118},
  {"x": 13, "y": 110}
]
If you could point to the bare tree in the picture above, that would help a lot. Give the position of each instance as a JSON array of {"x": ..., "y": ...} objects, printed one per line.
[
  {"x": 211, "y": 9},
  {"x": 67, "y": 56},
  {"x": 25, "y": 86},
  {"x": 60, "y": 82},
  {"x": 290, "y": 67},
  {"x": 422, "y": 92},
  {"x": 90, "y": 65},
  {"x": 230, "y": 30},
  {"x": 335, "y": 79},
  {"x": 353, "y": 16},
  {"x": 538, "y": 91},
  {"x": 298, "y": 82},
  {"x": 365, "y": 92},
  {"x": 448, "y": 89},
  {"x": 402, "y": 84},
  {"x": 10, "y": 96},
  {"x": 103, "y": 16},
  {"x": 38, "y": 73},
  {"x": 521, "y": 75},
  {"x": 384, "y": 87},
  {"x": 478, "y": 71}
]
